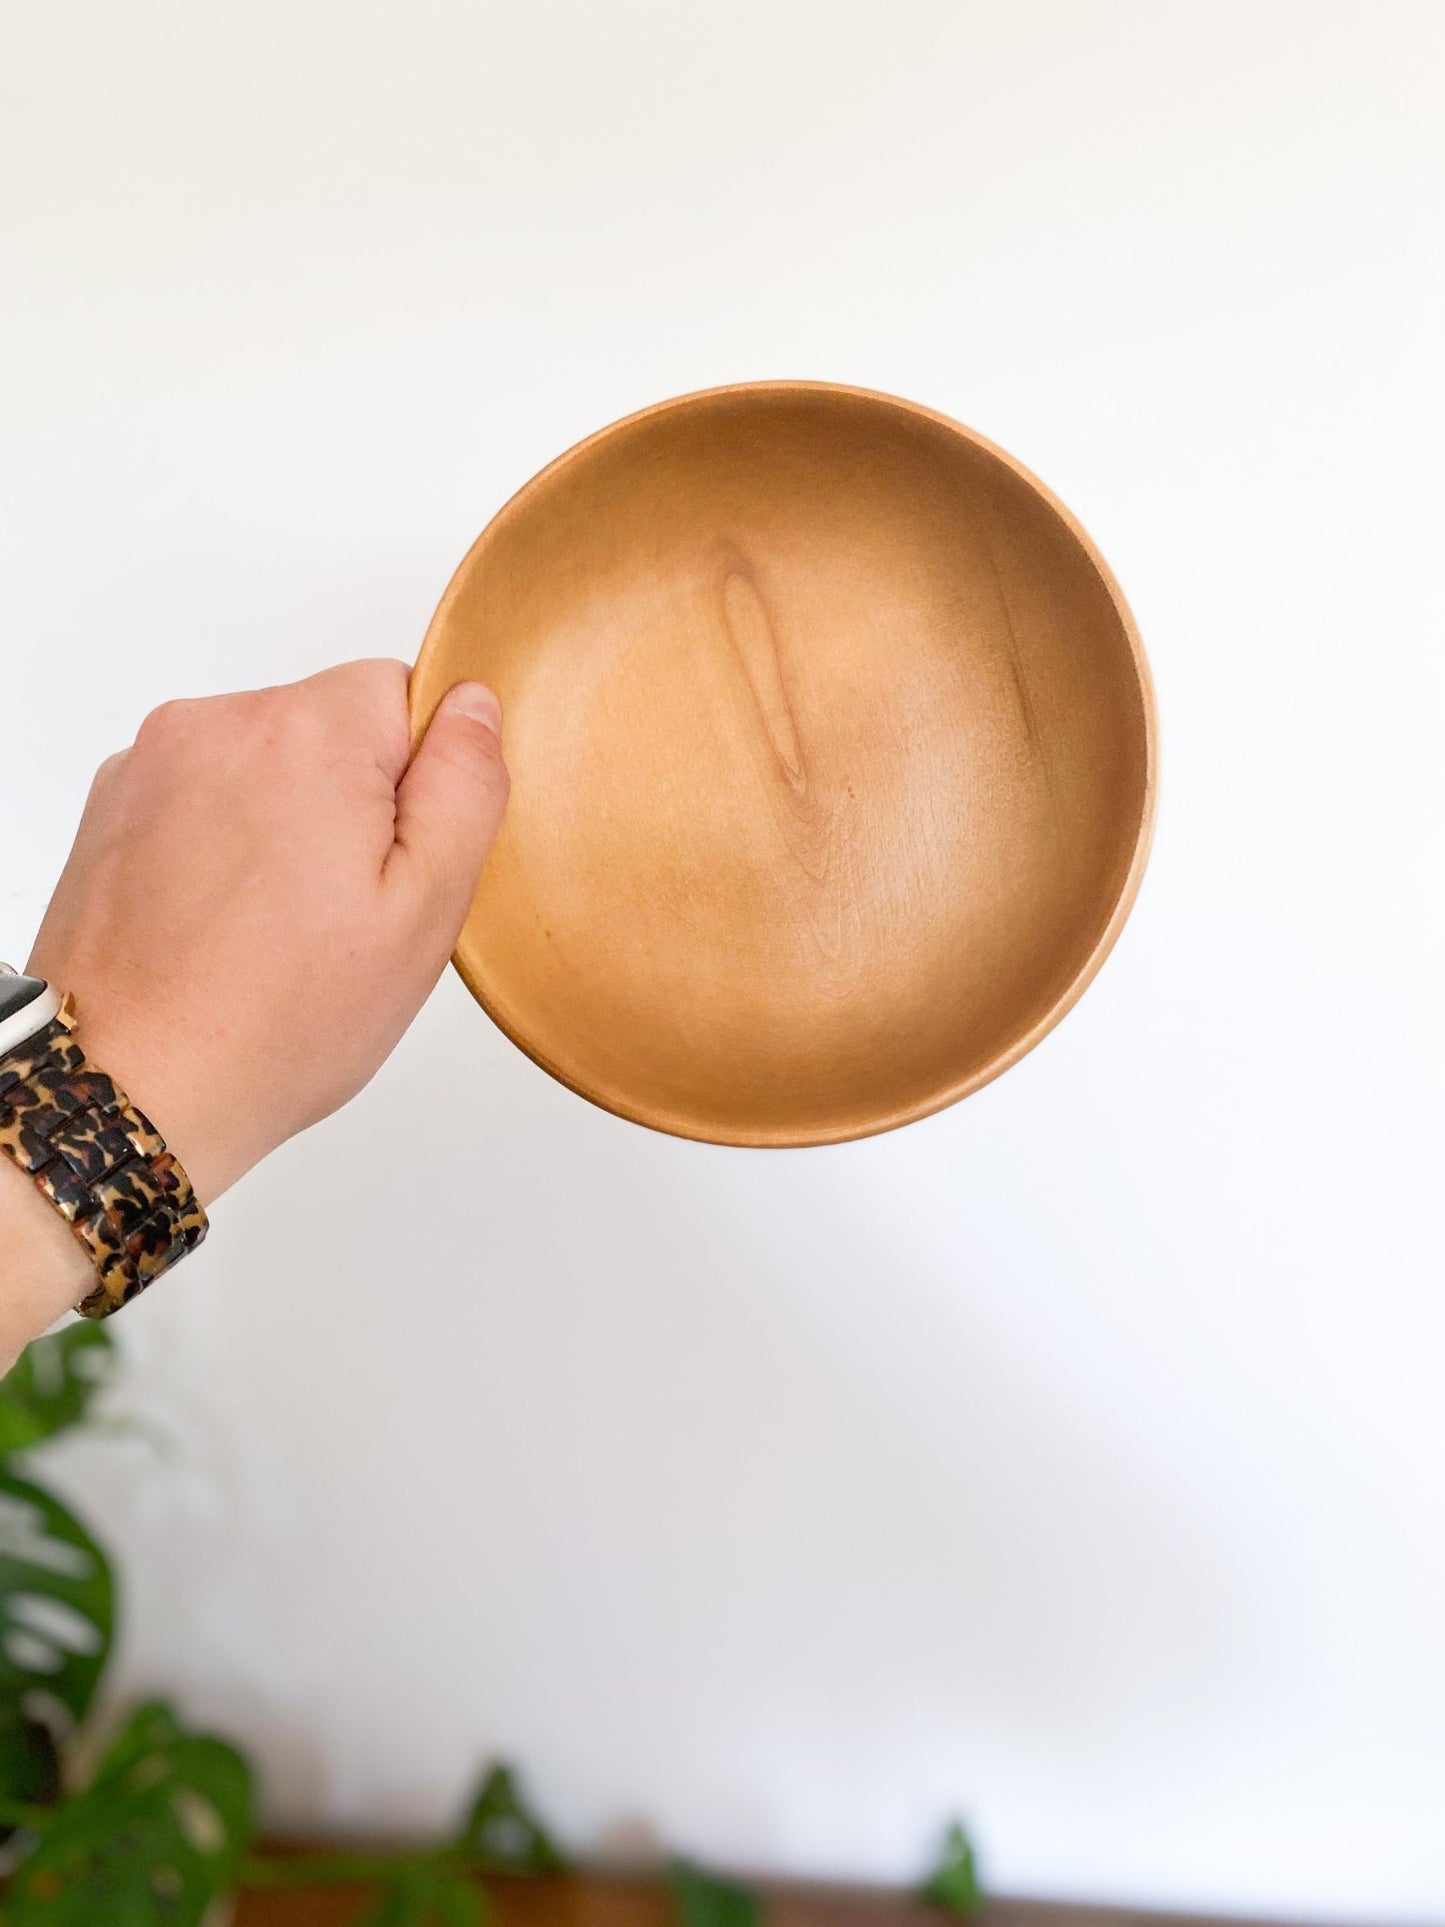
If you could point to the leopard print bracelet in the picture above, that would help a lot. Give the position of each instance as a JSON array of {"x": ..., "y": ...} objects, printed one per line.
[{"x": 101, "y": 1163}]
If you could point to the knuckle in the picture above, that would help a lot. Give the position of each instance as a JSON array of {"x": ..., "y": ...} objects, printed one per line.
[
  {"x": 375, "y": 681},
  {"x": 361, "y": 704},
  {"x": 165, "y": 722},
  {"x": 280, "y": 719},
  {"x": 246, "y": 722},
  {"x": 106, "y": 777},
  {"x": 387, "y": 674},
  {"x": 272, "y": 707}
]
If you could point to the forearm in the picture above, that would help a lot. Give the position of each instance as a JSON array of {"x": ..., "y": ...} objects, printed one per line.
[{"x": 43, "y": 1270}]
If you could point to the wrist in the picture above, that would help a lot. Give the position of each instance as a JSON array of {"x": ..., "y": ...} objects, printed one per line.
[
  {"x": 149, "y": 1059},
  {"x": 151, "y": 1050},
  {"x": 99, "y": 1162},
  {"x": 43, "y": 1271}
]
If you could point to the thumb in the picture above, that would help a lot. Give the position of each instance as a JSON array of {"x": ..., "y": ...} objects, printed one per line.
[{"x": 449, "y": 804}]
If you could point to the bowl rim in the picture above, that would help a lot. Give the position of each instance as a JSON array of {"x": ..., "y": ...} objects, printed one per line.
[{"x": 683, "y": 1125}]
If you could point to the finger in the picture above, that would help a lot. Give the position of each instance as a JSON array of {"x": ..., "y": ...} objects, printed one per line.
[
  {"x": 450, "y": 802},
  {"x": 368, "y": 698}
]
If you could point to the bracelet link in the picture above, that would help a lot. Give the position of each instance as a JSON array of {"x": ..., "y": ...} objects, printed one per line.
[{"x": 100, "y": 1162}]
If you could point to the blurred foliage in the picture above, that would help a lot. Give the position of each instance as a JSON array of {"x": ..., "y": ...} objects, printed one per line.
[
  {"x": 954, "y": 1885},
  {"x": 156, "y": 1837},
  {"x": 57, "y": 1611},
  {"x": 429, "y": 1897},
  {"x": 161, "y": 1832},
  {"x": 57, "y": 1619},
  {"x": 502, "y": 1836},
  {"x": 51, "y": 1385},
  {"x": 702, "y": 1900}
]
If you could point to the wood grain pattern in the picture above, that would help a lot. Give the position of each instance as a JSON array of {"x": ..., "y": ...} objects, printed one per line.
[{"x": 832, "y": 749}]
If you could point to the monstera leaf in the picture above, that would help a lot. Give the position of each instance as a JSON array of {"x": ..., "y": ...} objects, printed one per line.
[
  {"x": 502, "y": 1835},
  {"x": 154, "y": 1841},
  {"x": 429, "y": 1897},
  {"x": 56, "y": 1622},
  {"x": 51, "y": 1385},
  {"x": 702, "y": 1900},
  {"x": 954, "y": 1885}
]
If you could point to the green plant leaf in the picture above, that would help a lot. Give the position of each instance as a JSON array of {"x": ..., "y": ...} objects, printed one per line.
[
  {"x": 153, "y": 1841},
  {"x": 954, "y": 1884},
  {"x": 702, "y": 1900},
  {"x": 51, "y": 1384},
  {"x": 429, "y": 1897},
  {"x": 57, "y": 1616},
  {"x": 502, "y": 1835},
  {"x": 148, "y": 1728}
]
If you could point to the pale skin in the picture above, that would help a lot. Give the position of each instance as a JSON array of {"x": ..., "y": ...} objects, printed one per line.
[{"x": 263, "y": 890}]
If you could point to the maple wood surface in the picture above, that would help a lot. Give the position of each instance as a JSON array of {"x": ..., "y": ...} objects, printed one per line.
[{"x": 832, "y": 753}]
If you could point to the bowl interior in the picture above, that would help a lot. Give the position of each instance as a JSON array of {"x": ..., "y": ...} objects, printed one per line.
[{"x": 831, "y": 748}]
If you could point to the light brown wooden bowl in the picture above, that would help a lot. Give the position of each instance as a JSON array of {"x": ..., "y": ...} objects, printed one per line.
[{"x": 832, "y": 751}]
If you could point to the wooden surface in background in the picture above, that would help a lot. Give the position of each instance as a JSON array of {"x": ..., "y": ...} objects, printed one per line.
[{"x": 601, "y": 1902}]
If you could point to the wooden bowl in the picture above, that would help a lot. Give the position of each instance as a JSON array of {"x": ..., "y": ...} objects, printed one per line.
[{"x": 832, "y": 750}]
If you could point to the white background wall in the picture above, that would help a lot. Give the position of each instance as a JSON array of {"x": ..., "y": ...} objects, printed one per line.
[{"x": 1076, "y": 1458}]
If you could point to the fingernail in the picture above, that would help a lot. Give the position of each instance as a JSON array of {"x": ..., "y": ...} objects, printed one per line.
[{"x": 475, "y": 700}]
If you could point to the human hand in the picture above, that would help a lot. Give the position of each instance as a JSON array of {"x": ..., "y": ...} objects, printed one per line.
[{"x": 262, "y": 892}]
